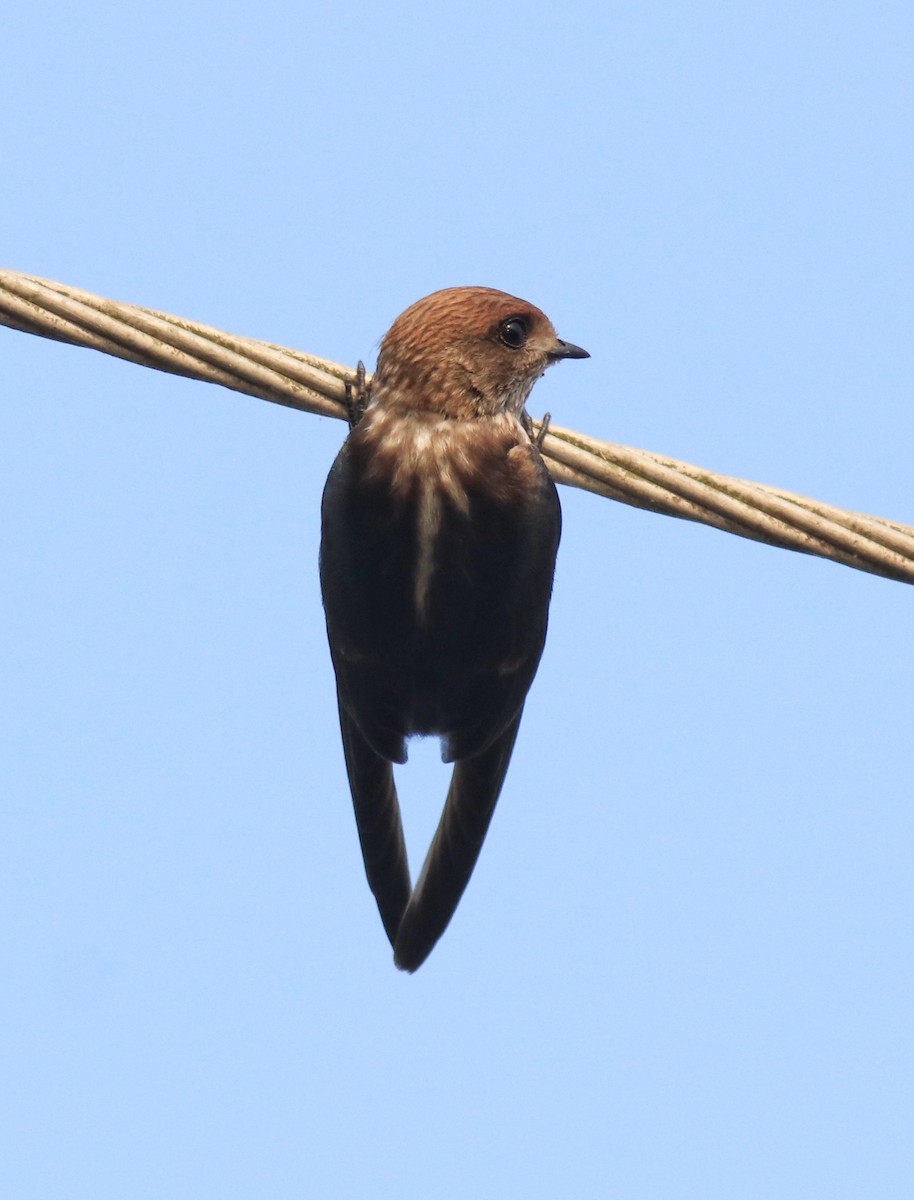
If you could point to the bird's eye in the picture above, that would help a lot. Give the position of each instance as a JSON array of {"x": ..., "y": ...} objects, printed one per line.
[{"x": 513, "y": 332}]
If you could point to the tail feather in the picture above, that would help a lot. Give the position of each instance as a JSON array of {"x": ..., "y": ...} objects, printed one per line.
[
  {"x": 475, "y": 786},
  {"x": 377, "y": 815}
]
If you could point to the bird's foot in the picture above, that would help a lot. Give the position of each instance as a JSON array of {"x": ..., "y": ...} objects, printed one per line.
[
  {"x": 544, "y": 429},
  {"x": 357, "y": 396}
]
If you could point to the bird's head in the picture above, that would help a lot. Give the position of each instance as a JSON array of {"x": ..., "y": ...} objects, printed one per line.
[{"x": 467, "y": 352}]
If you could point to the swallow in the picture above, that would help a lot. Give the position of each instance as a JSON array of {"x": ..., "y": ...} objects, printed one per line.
[{"x": 440, "y": 528}]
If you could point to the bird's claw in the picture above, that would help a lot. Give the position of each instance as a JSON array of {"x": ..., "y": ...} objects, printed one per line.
[
  {"x": 527, "y": 421},
  {"x": 543, "y": 430},
  {"x": 357, "y": 396}
]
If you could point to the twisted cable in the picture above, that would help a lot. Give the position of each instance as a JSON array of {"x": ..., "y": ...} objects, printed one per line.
[{"x": 317, "y": 385}]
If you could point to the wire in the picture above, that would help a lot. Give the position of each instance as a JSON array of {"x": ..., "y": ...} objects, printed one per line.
[{"x": 317, "y": 385}]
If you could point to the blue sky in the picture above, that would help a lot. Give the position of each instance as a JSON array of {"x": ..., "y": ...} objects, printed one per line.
[{"x": 684, "y": 965}]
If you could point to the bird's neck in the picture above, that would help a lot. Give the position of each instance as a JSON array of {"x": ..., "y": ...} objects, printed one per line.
[{"x": 404, "y": 445}]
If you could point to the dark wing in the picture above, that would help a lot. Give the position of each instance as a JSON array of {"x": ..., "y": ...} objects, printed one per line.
[
  {"x": 475, "y": 786},
  {"x": 366, "y": 565},
  {"x": 492, "y": 593}
]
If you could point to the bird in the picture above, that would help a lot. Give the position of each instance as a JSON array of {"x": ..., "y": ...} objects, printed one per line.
[{"x": 440, "y": 526}]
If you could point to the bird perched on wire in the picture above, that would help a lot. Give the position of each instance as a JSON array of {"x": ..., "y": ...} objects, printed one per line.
[{"x": 440, "y": 526}]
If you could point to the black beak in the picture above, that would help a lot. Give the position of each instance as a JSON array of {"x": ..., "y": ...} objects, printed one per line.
[{"x": 567, "y": 350}]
